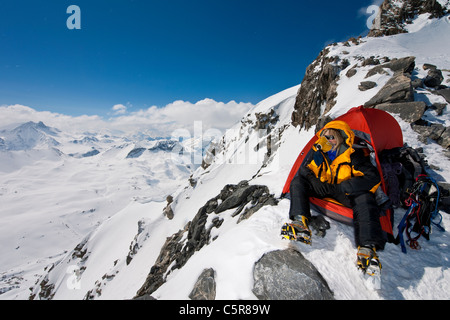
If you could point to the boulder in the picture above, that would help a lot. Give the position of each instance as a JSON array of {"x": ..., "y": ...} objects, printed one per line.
[
  {"x": 205, "y": 287},
  {"x": 408, "y": 111},
  {"x": 402, "y": 65},
  {"x": 444, "y": 140},
  {"x": 397, "y": 89},
  {"x": 287, "y": 275},
  {"x": 351, "y": 72},
  {"x": 367, "y": 85},
  {"x": 431, "y": 131},
  {"x": 434, "y": 78},
  {"x": 237, "y": 198},
  {"x": 445, "y": 93}
]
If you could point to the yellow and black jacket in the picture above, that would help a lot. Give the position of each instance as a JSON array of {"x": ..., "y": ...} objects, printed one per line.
[{"x": 351, "y": 168}]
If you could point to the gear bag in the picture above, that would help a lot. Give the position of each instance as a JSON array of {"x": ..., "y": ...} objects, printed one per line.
[
  {"x": 422, "y": 212},
  {"x": 400, "y": 167}
]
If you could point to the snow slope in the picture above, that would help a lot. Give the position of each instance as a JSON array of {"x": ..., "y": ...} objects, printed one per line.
[{"x": 46, "y": 219}]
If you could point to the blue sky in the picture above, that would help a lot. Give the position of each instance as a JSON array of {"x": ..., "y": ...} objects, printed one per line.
[{"x": 143, "y": 53}]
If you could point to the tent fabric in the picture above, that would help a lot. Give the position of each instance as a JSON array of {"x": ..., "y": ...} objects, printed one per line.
[{"x": 381, "y": 131}]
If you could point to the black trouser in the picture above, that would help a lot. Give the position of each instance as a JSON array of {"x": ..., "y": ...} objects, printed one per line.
[{"x": 366, "y": 213}]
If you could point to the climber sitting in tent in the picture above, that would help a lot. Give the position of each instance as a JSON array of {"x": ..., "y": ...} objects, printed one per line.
[{"x": 345, "y": 174}]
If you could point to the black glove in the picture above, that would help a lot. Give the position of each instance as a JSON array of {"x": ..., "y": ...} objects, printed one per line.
[
  {"x": 321, "y": 188},
  {"x": 334, "y": 189}
]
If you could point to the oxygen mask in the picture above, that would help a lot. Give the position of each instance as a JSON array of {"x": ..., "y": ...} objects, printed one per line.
[{"x": 323, "y": 144}]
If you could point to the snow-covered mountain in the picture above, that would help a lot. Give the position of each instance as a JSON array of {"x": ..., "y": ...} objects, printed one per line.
[
  {"x": 95, "y": 225},
  {"x": 28, "y": 136},
  {"x": 57, "y": 187}
]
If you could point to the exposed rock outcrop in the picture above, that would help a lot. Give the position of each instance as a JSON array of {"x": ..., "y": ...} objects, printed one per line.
[
  {"x": 394, "y": 16},
  {"x": 243, "y": 198},
  {"x": 397, "y": 89},
  {"x": 402, "y": 65},
  {"x": 139, "y": 238},
  {"x": 317, "y": 92}
]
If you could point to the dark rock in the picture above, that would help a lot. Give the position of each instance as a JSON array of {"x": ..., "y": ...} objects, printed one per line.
[
  {"x": 263, "y": 119},
  {"x": 192, "y": 181},
  {"x": 371, "y": 62},
  {"x": 397, "y": 89},
  {"x": 287, "y": 275},
  {"x": 135, "y": 153},
  {"x": 317, "y": 89},
  {"x": 259, "y": 198},
  {"x": 428, "y": 131},
  {"x": 145, "y": 297},
  {"x": 376, "y": 70},
  {"x": 367, "y": 85},
  {"x": 205, "y": 287},
  {"x": 434, "y": 78},
  {"x": 444, "y": 140},
  {"x": 408, "y": 111},
  {"x": 90, "y": 153},
  {"x": 178, "y": 248},
  {"x": 428, "y": 66},
  {"x": 170, "y": 252},
  {"x": 393, "y": 18},
  {"x": 137, "y": 241},
  {"x": 417, "y": 83},
  {"x": 439, "y": 107},
  {"x": 167, "y": 211},
  {"x": 351, "y": 72},
  {"x": 47, "y": 289},
  {"x": 211, "y": 205},
  {"x": 403, "y": 65},
  {"x": 444, "y": 93},
  {"x": 236, "y": 199},
  {"x": 322, "y": 122},
  {"x": 165, "y": 145}
]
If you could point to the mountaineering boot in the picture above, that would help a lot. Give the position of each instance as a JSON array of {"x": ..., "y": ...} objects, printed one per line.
[
  {"x": 368, "y": 262},
  {"x": 298, "y": 230}
]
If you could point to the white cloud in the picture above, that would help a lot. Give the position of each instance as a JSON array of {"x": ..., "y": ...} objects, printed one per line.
[
  {"x": 156, "y": 121},
  {"x": 182, "y": 115},
  {"x": 16, "y": 114},
  {"x": 119, "y": 109}
]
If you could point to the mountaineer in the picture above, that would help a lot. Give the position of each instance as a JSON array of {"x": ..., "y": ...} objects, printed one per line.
[{"x": 337, "y": 170}]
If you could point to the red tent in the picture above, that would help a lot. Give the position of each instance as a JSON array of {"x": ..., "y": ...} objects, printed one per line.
[{"x": 379, "y": 129}]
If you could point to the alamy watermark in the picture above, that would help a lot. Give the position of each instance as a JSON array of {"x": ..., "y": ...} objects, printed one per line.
[
  {"x": 372, "y": 22},
  {"x": 74, "y": 20}
]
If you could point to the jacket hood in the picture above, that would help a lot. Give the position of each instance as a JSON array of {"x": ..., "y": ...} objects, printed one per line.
[{"x": 343, "y": 128}]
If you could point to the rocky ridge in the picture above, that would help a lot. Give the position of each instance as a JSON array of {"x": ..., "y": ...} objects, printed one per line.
[
  {"x": 394, "y": 16},
  {"x": 243, "y": 199}
]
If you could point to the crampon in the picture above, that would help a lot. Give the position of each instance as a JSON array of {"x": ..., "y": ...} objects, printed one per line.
[
  {"x": 368, "y": 262},
  {"x": 296, "y": 233}
]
